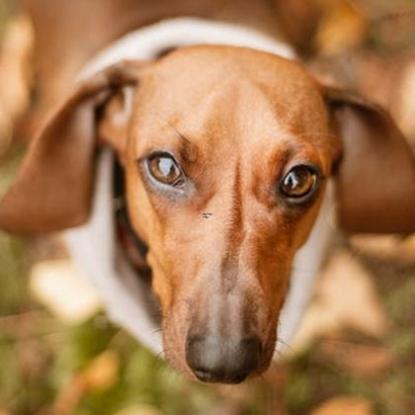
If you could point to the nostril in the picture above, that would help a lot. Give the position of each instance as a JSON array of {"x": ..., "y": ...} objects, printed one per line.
[
  {"x": 252, "y": 345},
  {"x": 250, "y": 353},
  {"x": 195, "y": 346}
]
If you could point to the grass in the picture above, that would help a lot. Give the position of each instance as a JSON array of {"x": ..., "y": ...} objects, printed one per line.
[
  {"x": 43, "y": 362},
  {"x": 41, "y": 359}
]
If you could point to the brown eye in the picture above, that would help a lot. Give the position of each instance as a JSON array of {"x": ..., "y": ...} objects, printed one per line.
[
  {"x": 164, "y": 169},
  {"x": 299, "y": 182}
]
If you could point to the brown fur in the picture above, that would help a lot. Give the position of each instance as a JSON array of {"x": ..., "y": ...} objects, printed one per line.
[{"x": 236, "y": 120}]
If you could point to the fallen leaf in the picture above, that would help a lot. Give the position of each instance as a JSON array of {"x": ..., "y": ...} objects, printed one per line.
[
  {"x": 345, "y": 298},
  {"x": 361, "y": 360},
  {"x": 6, "y": 131},
  {"x": 140, "y": 410},
  {"x": 102, "y": 372},
  {"x": 344, "y": 405},
  {"x": 228, "y": 408},
  {"x": 59, "y": 286},
  {"x": 387, "y": 247},
  {"x": 15, "y": 78},
  {"x": 342, "y": 28}
]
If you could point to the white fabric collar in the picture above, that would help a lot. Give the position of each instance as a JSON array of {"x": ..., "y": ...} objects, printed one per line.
[
  {"x": 93, "y": 246},
  {"x": 148, "y": 42}
]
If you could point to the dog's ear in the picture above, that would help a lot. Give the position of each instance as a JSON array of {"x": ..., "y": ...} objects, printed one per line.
[
  {"x": 376, "y": 172},
  {"x": 52, "y": 190}
]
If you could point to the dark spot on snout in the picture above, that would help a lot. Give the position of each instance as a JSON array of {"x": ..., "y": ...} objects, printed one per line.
[
  {"x": 217, "y": 359},
  {"x": 207, "y": 215}
]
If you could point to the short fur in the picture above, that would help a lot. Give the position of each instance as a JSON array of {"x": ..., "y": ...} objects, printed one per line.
[{"x": 222, "y": 252}]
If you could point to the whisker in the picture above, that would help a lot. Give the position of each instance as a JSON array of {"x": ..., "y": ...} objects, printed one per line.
[{"x": 285, "y": 344}]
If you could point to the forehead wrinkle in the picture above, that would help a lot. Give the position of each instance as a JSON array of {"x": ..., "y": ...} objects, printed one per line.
[
  {"x": 210, "y": 125},
  {"x": 187, "y": 149}
]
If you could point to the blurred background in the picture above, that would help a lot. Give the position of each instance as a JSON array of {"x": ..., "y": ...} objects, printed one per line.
[{"x": 355, "y": 353}]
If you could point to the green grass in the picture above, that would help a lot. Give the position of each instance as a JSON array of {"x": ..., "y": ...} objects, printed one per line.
[{"x": 40, "y": 356}]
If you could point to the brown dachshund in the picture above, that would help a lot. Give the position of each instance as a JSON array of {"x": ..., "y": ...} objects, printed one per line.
[{"x": 228, "y": 155}]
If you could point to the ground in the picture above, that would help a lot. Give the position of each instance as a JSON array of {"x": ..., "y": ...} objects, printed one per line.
[{"x": 364, "y": 363}]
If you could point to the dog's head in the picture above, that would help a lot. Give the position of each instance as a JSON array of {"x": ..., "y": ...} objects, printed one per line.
[{"x": 227, "y": 153}]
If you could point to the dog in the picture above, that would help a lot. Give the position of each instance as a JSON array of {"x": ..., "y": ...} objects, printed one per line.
[{"x": 234, "y": 164}]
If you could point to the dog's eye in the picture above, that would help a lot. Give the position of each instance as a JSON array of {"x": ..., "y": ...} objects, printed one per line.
[
  {"x": 299, "y": 183},
  {"x": 165, "y": 170}
]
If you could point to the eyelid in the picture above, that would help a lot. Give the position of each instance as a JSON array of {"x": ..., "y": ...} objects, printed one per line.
[
  {"x": 148, "y": 155},
  {"x": 312, "y": 166},
  {"x": 157, "y": 153}
]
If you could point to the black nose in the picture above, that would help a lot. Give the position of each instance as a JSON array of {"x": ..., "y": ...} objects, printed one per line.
[{"x": 217, "y": 359}]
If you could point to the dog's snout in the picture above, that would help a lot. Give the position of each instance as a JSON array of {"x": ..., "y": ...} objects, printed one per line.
[{"x": 218, "y": 359}]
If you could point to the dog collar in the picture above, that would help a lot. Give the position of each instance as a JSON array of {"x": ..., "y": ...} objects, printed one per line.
[{"x": 151, "y": 41}]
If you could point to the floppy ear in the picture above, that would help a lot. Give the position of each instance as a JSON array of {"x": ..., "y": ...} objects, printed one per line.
[
  {"x": 376, "y": 175},
  {"x": 53, "y": 188}
]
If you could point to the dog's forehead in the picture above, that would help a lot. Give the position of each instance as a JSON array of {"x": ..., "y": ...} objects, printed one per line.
[
  {"x": 198, "y": 69},
  {"x": 234, "y": 91}
]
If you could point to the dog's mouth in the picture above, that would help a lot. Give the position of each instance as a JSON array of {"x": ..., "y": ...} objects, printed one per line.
[{"x": 134, "y": 249}]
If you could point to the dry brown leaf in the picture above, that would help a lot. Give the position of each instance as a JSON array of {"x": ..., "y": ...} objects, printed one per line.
[
  {"x": 15, "y": 79},
  {"x": 387, "y": 248},
  {"x": 59, "y": 286},
  {"x": 102, "y": 372},
  {"x": 345, "y": 298},
  {"x": 362, "y": 360},
  {"x": 140, "y": 410},
  {"x": 344, "y": 405},
  {"x": 68, "y": 398},
  {"x": 6, "y": 130},
  {"x": 228, "y": 408},
  {"x": 342, "y": 27}
]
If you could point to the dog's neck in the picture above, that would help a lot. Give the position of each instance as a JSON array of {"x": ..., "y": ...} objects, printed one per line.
[{"x": 95, "y": 246}]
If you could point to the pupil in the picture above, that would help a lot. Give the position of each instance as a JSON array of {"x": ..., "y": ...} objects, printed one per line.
[
  {"x": 294, "y": 181},
  {"x": 298, "y": 182}
]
